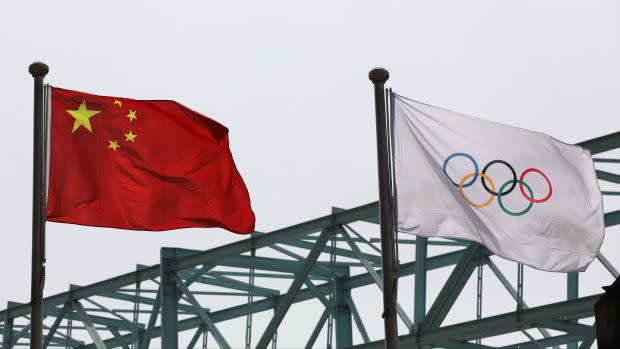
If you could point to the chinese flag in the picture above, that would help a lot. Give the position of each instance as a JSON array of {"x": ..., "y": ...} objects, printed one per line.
[{"x": 142, "y": 165}]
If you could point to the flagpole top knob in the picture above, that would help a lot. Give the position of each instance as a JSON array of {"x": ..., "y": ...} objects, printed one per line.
[
  {"x": 37, "y": 69},
  {"x": 379, "y": 75}
]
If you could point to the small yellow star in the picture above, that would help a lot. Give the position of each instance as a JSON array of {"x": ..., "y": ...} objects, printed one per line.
[
  {"x": 113, "y": 145},
  {"x": 82, "y": 116},
  {"x": 129, "y": 137},
  {"x": 132, "y": 115},
  {"x": 119, "y": 103}
]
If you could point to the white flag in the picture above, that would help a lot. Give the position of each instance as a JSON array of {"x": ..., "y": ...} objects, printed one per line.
[{"x": 524, "y": 195}]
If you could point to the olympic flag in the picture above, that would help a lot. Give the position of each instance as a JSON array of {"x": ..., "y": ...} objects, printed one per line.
[{"x": 524, "y": 195}]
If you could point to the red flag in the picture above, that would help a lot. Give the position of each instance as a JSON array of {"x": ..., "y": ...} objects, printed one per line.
[{"x": 142, "y": 165}]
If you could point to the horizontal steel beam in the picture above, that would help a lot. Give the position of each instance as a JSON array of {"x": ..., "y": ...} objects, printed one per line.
[
  {"x": 608, "y": 176},
  {"x": 612, "y": 218},
  {"x": 231, "y": 284},
  {"x": 546, "y": 342},
  {"x": 568, "y": 326},
  {"x": 602, "y": 144},
  {"x": 279, "y": 236},
  {"x": 372, "y": 220},
  {"x": 495, "y": 325},
  {"x": 101, "y": 320}
]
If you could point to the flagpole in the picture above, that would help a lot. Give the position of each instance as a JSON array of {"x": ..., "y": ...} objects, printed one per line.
[
  {"x": 379, "y": 76},
  {"x": 38, "y": 70}
]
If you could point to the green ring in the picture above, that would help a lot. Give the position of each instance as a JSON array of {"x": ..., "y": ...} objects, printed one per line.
[{"x": 501, "y": 205}]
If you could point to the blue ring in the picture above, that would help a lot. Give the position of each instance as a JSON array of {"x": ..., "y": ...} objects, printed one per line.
[{"x": 445, "y": 164}]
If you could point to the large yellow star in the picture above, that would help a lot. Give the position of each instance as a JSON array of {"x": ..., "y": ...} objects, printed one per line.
[
  {"x": 129, "y": 137},
  {"x": 113, "y": 145},
  {"x": 82, "y": 116},
  {"x": 132, "y": 115}
]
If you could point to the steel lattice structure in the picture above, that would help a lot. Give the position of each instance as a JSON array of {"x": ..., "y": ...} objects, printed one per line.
[{"x": 131, "y": 310}]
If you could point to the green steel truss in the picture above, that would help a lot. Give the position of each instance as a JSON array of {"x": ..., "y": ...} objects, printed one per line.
[{"x": 317, "y": 259}]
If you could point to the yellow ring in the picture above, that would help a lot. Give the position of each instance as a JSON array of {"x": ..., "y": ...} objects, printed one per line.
[{"x": 486, "y": 203}]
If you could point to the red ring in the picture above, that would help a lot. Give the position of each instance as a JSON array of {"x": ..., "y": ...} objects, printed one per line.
[{"x": 523, "y": 191}]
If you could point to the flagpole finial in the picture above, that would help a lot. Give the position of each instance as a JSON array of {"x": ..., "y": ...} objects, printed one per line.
[
  {"x": 379, "y": 75},
  {"x": 38, "y": 69}
]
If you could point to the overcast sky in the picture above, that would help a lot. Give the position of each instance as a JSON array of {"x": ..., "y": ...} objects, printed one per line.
[{"x": 289, "y": 79}]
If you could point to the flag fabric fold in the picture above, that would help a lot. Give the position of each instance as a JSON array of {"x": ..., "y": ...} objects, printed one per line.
[
  {"x": 141, "y": 165},
  {"x": 524, "y": 195}
]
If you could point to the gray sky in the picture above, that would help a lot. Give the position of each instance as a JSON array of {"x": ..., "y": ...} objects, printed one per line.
[{"x": 290, "y": 82}]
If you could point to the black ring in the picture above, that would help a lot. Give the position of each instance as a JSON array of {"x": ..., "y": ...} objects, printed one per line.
[{"x": 514, "y": 177}]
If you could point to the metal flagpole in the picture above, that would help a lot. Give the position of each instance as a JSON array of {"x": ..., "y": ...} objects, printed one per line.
[
  {"x": 38, "y": 70},
  {"x": 379, "y": 76}
]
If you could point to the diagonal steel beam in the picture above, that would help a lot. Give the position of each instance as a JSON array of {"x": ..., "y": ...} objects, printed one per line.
[
  {"x": 226, "y": 282},
  {"x": 508, "y": 286},
  {"x": 108, "y": 310},
  {"x": 95, "y": 319},
  {"x": 357, "y": 318},
  {"x": 401, "y": 312},
  {"x": 199, "y": 331},
  {"x": 90, "y": 328},
  {"x": 328, "y": 249},
  {"x": 361, "y": 238},
  {"x": 197, "y": 274},
  {"x": 283, "y": 250},
  {"x": 587, "y": 342},
  {"x": 317, "y": 293},
  {"x": 19, "y": 335},
  {"x": 52, "y": 330},
  {"x": 282, "y": 309},
  {"x": 117, "y": 335},
  {"x": 319, "y": 326},
  {"x": 221, "y": 341},
  {"x": 532, "y": 339},
  {"x": 453, "y": 287},
  {"x": 148, "y": 333},
  {"x": 607, "y": 265}
]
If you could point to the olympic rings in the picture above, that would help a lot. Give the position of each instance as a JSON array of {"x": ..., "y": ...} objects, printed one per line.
[
  {"x": 501, "y": 205},
  {"x": 445, "y": 164},
  {"x": 531, "y": 197},
  {"x": 514, "y": 177},
  {"x": 484, "y": 178}
]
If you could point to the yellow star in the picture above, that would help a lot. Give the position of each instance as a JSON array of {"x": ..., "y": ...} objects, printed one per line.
[
  {"x": 113, "y": 145},
  {"x": 129, "y": 137},
  {"x": 132, "y": 115},
  {"x": 82, "y": 116},
  {"x": 119, "y": 103}
]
